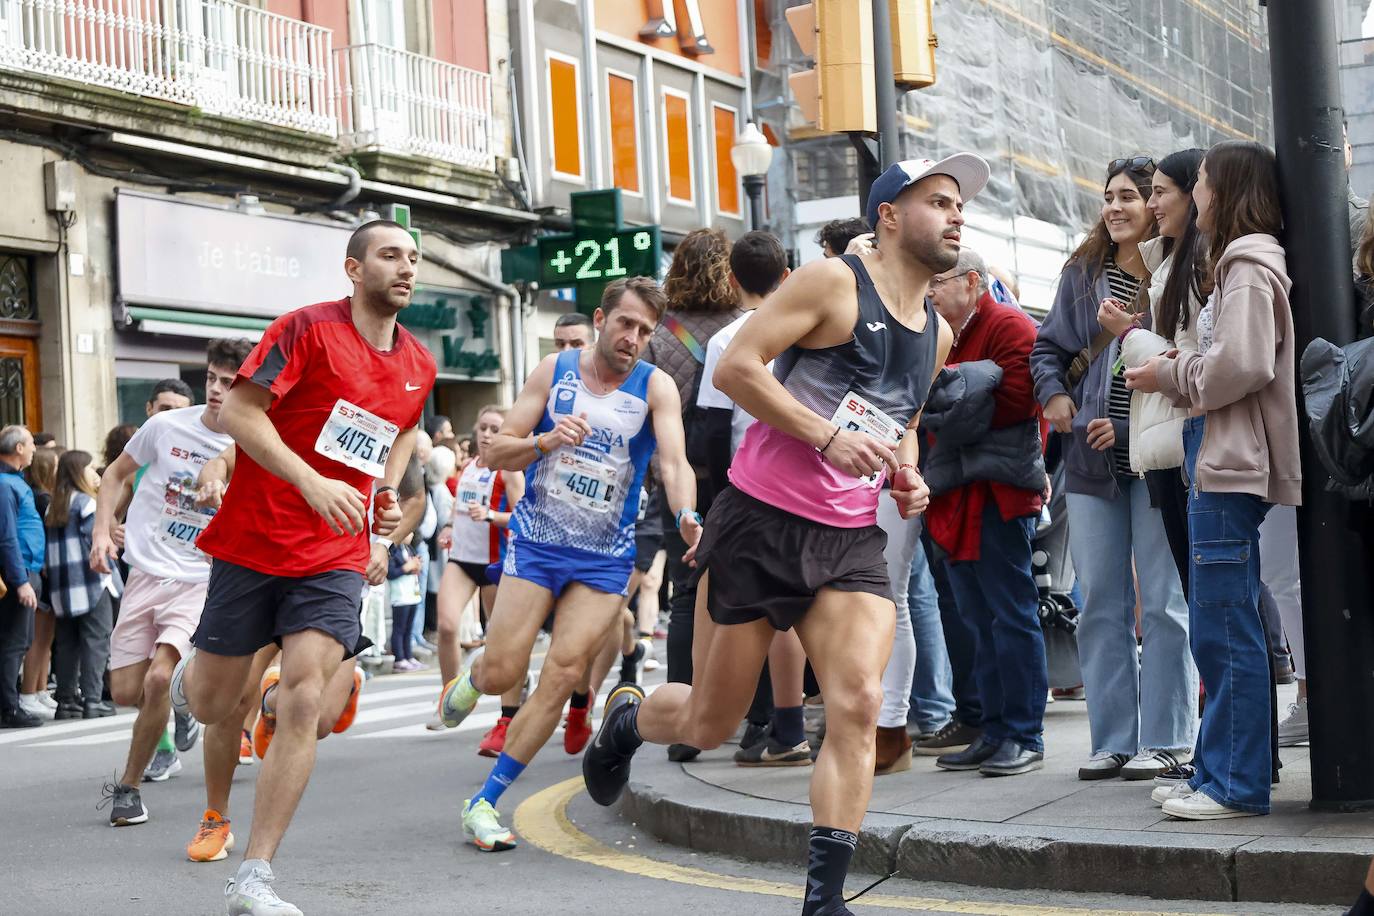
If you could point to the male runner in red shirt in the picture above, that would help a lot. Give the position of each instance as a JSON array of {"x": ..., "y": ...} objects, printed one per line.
[{"x": 324, "y": 410}]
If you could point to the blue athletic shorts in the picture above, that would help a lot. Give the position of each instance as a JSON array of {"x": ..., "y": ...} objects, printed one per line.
[{"x": 555, "y": 568}]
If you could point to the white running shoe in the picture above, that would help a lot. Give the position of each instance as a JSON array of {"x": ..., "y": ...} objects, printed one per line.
[
  {"x": 179, "y": 704},
  {"x": 482, "y": 829},
  {"x": 249, "y": 893}
]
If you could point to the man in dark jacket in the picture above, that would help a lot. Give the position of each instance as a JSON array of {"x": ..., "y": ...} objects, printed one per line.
[
  {"x": 21, "y": 559},
  {"x": 986, "y": 528}
]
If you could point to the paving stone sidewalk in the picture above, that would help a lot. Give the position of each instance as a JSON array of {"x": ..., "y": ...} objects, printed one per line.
[{"x": 1046, "y": 829}]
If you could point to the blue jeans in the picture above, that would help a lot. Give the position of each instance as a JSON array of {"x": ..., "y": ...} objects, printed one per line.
[
  {"x": 997, "y": 595},
  {"x": 417, "y": 631},
  {"x": 1137, "y": 700},
  {"x": 932, "y": 699},
  {"x": 1234, "y": 762}
]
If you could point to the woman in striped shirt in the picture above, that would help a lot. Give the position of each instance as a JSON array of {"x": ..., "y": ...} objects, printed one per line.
[{"x": 1140, "y": 706}]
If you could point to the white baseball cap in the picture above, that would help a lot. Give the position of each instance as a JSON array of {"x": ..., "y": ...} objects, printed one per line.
[{"x": 970, "y": 171}]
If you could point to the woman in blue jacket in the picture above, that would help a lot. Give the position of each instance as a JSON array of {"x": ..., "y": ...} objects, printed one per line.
[{"x": 1141, "y": 706}]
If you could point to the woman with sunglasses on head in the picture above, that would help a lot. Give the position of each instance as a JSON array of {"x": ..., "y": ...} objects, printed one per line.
[
  {"x": 1241, "y": 449},
  {"x": 1140, "y": 704}
]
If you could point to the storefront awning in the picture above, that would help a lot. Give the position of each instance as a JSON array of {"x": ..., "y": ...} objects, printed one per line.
[{"x": 196, "y": 324}]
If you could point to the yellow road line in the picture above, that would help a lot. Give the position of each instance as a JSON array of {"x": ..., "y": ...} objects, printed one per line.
[{"x": 542, "y": 820}]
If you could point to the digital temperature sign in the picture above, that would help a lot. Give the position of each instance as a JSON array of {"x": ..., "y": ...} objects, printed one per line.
[{"x": 599, "y": 256}]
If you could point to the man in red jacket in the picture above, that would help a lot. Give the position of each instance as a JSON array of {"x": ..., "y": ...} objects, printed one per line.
[{"x": 986, "y": 528}]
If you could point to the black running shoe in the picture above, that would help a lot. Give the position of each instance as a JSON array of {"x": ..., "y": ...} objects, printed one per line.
[
  {"x": 835, "y": 907},
  {"x": 605, "y": 769}
]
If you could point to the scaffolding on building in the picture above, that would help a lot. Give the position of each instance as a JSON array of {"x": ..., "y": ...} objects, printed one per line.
[{"x": 1050, "y": 91}]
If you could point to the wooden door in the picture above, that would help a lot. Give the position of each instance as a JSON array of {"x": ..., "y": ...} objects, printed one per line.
[{"x": 19, "y": 397}]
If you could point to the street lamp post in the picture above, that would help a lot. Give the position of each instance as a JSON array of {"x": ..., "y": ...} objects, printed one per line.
[{"x": 751, "y": 155}]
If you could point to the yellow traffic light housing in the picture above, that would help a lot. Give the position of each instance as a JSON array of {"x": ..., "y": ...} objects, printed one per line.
[
  {"x": 840, "y": 93},
  {"x": 913, "y": 43}
]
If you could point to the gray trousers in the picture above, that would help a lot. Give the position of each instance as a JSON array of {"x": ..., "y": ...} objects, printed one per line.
[{"x": 83, "y": 651}]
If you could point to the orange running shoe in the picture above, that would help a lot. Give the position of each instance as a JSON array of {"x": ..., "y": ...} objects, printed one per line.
[
  {"x": 577, "y": 729},
  {"x": 494, "y": 741},
  {"x": 213, "y": 841},
  {"x": 266, "y": 726},
  {"x": 245, "y": 749},
  {"x": 350, "y": 709}
]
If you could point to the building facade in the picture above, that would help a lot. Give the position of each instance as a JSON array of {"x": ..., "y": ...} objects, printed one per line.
[
  {"x": 644, "y": 95},
  {"x": 184, "y": 170},
  {"x": 1049, "y": 93}
]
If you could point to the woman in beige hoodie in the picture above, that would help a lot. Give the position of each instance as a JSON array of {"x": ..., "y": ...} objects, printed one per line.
[{"x": 1241, "y": 458}]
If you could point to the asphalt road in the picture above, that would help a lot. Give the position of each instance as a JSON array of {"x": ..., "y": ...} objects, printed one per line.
[{"x": 378, "y": 832}]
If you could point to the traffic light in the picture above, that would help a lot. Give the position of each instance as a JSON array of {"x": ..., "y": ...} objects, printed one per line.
[
  {"x": 913, "y": 43},
  {"x": 839, "y": 94}
]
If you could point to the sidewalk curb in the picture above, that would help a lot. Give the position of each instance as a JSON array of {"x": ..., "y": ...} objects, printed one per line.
[{"x": 685, "y": 811}]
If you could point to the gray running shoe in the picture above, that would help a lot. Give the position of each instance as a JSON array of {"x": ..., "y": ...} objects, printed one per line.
[
  {"x": 126, "y": 805},
  {"x": 249, "y": 893},
  {"x": 187, "y": 731},
  {"x": 165, "y": 765}
]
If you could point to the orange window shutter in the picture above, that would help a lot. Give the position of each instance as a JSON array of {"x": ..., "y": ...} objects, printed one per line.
[
  {"x": 563, "y": 102},
  {"x": 678, "y": 130},
  {"x": 727, "y": 182},
  {"x": 620, "y": 100}
]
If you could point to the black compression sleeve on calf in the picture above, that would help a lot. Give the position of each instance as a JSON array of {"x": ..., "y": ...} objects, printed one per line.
[{"x": 827, "y": 865}]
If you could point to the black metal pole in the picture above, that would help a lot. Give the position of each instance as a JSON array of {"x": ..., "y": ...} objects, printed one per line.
[
  {"x": 753, "y": 187},
  {"x": 886, "y": 89},
  {"x": 1338, "y": 618}
]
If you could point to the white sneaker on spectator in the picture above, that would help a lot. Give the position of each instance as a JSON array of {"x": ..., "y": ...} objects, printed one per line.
[
  {"x": 1163, "y": 793},
  {"x": 1103, "y": 765},
  {"x": 47, "y": 700},
  {"x": 1293, "y": 727},
  {"x": 1202, "y": 807},
  {"x": 30, "y": 703},
  {"x": 1146, "y": 765}
]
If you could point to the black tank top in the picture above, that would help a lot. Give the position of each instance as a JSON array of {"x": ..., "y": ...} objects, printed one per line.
[{"x": 885, "y": 362}]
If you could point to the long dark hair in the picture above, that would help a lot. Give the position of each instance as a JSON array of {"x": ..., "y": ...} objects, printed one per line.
[
  {"x": 1093, "y": 252},
  {"x": 1186, "y": 277},
  {"x": 71, "y": 478},
  {"x": 1244, "y": 180}
]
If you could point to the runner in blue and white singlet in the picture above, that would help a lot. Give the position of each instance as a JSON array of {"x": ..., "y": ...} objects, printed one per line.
[
  {"x": 587, "y": 497},
  {"x": 583, "y": 429}
]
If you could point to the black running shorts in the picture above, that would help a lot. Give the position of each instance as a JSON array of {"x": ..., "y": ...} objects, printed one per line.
[
  {"x": 479, "y": 573},
  {"x": 767, "y": 563},
  {"x": 245, "y": 609}
]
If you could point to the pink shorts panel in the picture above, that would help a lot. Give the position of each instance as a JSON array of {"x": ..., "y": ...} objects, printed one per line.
[{"x": 155, "y": 612}]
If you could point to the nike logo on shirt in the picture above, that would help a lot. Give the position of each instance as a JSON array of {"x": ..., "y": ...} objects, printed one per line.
[
  {"x": 876, "y": 326},
  {"x": 410, "y": 387}
]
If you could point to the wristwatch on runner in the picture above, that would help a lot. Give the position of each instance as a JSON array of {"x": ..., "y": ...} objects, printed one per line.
[{"x": 694, "y": 514}]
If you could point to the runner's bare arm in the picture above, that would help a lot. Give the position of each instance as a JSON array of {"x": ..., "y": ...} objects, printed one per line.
[
  {"x": 244, "y": 417},
  {"x": 213, "y": 479},
  {"x": 679, "y": 480},
  {"x": 803, "y": 311},
  {"x": 513, "y": 448},
  {"x": 112, "y": 483},
  {"x": 515, "y": 491},
  {"x": 909, "y": 488}
]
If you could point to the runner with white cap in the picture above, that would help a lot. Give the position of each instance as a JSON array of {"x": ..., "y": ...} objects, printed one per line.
[{"x": 794, "y": 540}]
